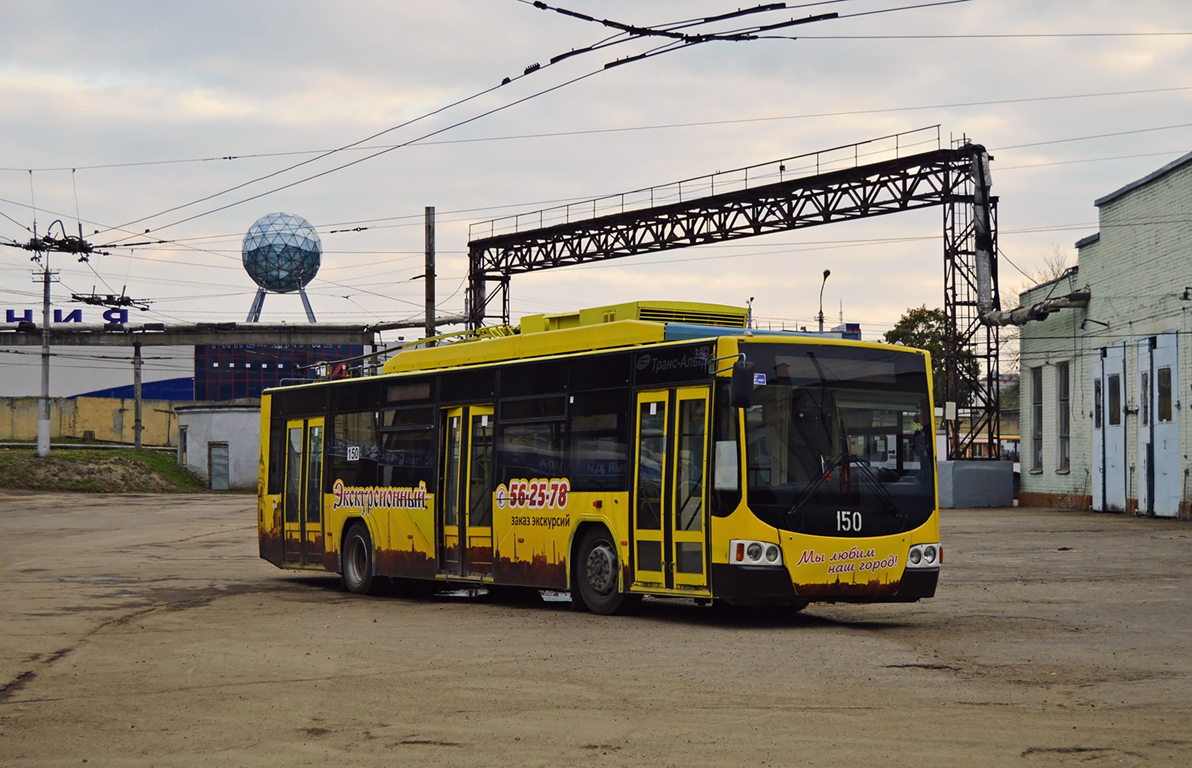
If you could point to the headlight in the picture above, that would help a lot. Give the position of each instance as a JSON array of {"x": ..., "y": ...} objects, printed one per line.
[
  {"x": 924, "y": 556},
  {"x": 758, "y": 553}
]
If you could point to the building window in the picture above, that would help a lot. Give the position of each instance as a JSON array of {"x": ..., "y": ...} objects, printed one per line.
[
  {"x": 1115, "y": 400},
  {"x": 1144, "y": 405},
  {"x": 1163, "y": 379},
  {"x": 1062, "y": 418},
  {"x": 1037, "y": 419},
  {"x": 1098, "y": 407}
]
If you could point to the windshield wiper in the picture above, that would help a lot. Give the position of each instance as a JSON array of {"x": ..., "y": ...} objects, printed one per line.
[
  {"x": 875, "y": 485},
  {"x": 879, "y": 490},
  {"x": 814, "y": 485},
  {"x": 847, "y": 462}
]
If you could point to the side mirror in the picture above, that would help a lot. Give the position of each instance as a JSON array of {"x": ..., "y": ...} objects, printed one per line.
[{"x": 741, "y": 389}]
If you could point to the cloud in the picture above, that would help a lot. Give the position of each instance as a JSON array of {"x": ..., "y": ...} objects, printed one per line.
[{"x": 88, "y": 84}]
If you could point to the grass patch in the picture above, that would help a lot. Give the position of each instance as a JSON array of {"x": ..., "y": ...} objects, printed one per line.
[{"x": 96, "y": 471}]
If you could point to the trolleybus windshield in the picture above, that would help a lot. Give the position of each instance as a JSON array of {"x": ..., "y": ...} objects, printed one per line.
[{"x": 839, "y": 440}]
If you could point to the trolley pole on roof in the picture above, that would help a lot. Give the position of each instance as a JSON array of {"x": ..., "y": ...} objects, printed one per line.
[{"x": 431, "y": 332}]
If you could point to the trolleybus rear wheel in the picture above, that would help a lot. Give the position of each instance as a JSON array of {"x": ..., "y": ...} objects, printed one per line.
[
  {"x": 357, "y": 560},
  {"x": 597, "y": 575}
]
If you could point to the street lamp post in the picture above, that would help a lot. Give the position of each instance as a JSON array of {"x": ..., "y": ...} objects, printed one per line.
[{"x": 821, "y": 304}]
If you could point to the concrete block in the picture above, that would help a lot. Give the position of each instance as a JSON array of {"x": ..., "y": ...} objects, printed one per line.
[{"x": 975, "y": 484}]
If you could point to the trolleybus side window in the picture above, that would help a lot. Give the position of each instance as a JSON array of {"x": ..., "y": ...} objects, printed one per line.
[
  {"x": 407, "y": 447},
  {"x": 357, "y": 395},
  {"x": 277, "y": 459},
  {"x": 530, "y": 442},
  {"x": 690, "y": 465},
  {"x": 533, "y": 379},
  {"x": 314, "y": 475},
  {"x": 480, "y": 474},
  {"x": 652, "y": 449},
  {"x": 726, "y": 493},
  {"x": 599, "y": 440},
  {"x": 533, "y": 408},
  {"x": 353, "y": 449},
  {"x": 293, "y": 475},
  {"x": 408, "y": 391},
  {"x": 476, "y": 386}
]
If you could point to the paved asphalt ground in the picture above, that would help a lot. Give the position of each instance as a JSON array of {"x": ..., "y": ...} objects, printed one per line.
[{"x": 144, "y": 631}]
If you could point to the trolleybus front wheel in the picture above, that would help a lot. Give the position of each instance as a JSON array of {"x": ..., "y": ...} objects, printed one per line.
[
  {"x": 357, "y": 560},
  {"x": 597, "y": 575}
]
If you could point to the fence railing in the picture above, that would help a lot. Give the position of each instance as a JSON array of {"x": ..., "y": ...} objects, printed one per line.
[{"x": 840, "y": 158}]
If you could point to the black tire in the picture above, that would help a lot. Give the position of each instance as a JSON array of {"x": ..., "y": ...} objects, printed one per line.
[
  {"x": 597, "y": 573},
  {"x": 356, "y": 555}
]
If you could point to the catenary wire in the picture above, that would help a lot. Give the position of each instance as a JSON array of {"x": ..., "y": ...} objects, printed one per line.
[{"x": 596, "y": 131}]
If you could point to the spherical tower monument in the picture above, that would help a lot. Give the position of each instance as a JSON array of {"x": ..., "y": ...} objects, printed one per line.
[{"x": 281, "y": 254}]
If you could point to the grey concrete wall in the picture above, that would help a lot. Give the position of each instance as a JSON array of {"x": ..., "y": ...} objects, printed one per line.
[
  {"x": 975, "y": 484},
  {"x": 237, "y": 425}
]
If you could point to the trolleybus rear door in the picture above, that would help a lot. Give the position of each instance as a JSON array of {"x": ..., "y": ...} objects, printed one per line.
[
  {"x": 690, "y": 487},
  {"x": 651, "y": 505},
  {"x": 466, "y": 483},
  {"x": 670, "y": 488},
  {"x": 302, "y": 504},
  {"x": 478, "y": 555},
  {"x": 450, "y": 482}
]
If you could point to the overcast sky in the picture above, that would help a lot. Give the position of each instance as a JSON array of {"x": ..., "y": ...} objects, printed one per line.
[{"x": 160, "y": 104}]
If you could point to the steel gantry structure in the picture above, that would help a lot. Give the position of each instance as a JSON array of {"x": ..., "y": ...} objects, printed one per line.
[{"x": 872, "y": 178}]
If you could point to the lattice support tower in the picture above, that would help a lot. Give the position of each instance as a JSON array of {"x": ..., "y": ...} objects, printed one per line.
[
  {"x": 972, "y": 375},
  {"x": 820, "y": 188}
]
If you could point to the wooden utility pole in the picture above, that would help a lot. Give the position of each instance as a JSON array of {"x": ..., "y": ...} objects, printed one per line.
[
  {"x": 136, "y": 394},
  {"x": 430, "y": 273},
  {"x": 43, "y": 405}
]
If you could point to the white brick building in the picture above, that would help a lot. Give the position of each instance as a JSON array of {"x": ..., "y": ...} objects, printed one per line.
[{"x": 1103, "y": 387}]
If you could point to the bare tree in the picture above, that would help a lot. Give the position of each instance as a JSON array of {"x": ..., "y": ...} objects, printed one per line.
[{"x": 1054, "y": 265}]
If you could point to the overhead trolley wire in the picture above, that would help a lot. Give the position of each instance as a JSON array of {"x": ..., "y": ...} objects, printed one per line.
[
  {"x": 996, "y": 36},
  {"x": 314, "y": 159},
  {"x": 341, "y": 166},
  {"x": 681, "y": 41},
  {"x": 594, "y": 131}
]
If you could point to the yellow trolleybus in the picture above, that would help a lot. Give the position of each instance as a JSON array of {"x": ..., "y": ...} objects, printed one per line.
[{"x": 675, "y": 453}]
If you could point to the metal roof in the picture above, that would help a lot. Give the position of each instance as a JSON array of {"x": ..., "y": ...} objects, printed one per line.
[{"x": 1144, "y": 180}]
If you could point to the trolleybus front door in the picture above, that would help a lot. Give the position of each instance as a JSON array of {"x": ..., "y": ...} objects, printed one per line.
[
  {"x": 302, "y": 504},
  {"x": 465, "y": 519},
  {"x": 670, "y": 489}
]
